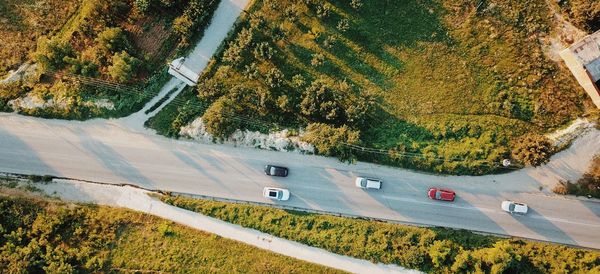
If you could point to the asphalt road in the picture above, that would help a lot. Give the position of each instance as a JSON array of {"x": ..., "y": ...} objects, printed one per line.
[{"x": 108, "y": 151}]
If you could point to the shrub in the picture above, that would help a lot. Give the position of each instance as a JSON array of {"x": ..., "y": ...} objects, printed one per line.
[
  {"x": 356, "y": 4},
  {"x": 51, "y": 53},
  {"x": 322, "y": 103},
  {"x": 112, "y": 40},
  {"x": 343, "y": 25},
  {"x": 560, "y": 188},
  {"x": 123, "y": 67},
  {"x": 220, "y": 118},
  {"x": 584, "y": 13},
  {"x": 318, "y": 59},
  {"x": 165, "y": 229},
  {"x": 332, "y": 141},
  {"x": 532, "y": 149}
]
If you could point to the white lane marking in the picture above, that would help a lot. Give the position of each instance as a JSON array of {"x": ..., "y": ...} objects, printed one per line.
[
  {"x": 553, "y": 219},
  {"x": 452, "y": 205}
]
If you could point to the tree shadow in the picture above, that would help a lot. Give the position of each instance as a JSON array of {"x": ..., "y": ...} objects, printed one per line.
[
  {"x": 537, "y": 223},
  {"x": 16, "y": 156},
  {"x": 410, "y": 203},
  {"x": 114, "y": 162}
]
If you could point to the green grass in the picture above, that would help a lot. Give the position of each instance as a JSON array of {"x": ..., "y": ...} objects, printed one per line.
[
  {"x": 151, "y": 37},
  {"x": 450, "y": 82},
  {"x": 433, "y": 250},
  {"x": 180, "y": 111},
  {"x": 40, "y": 235}
]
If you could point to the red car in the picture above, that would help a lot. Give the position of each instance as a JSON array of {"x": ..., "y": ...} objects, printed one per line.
[{"x": 441, "y": 194}]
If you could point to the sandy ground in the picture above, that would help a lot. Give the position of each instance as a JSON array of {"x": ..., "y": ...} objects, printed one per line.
[{"x": 137, "y": 199}]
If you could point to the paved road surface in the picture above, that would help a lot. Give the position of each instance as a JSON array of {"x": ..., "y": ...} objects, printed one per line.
[{"x": 108, "y": 151}]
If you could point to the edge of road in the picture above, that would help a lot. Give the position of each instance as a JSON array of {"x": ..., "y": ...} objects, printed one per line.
[{"x": 287, "y": 207}]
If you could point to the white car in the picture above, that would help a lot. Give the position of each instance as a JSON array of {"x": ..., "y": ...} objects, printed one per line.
[
  {"x": 514, "y": 207},
  {"x": 366, "y": 183},
  {"x": 275, "y": 193}
]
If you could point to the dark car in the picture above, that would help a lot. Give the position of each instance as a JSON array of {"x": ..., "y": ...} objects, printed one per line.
[
  {"x": 441, "y": 194},
  {"x": 276, "y": 171}
]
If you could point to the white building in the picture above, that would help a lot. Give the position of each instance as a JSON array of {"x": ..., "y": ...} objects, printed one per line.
[
  {"x": 583, "y": 59},
  {"x": 179, "y": 69}
]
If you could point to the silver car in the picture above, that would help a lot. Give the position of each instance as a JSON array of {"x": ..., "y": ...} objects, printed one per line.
[
  {"x": 514, "y": 207},
  {"x": 367, "y": 183}
]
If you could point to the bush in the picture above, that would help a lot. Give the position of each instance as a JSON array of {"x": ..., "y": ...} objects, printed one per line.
[
  {"x": 532, "y": 149},
  {"x": 51, "y": 53},
  {"x": 220, "y": 118},
  {"x": 123, "y": 67},
  {"x": 560, "y": 188},
  {"x": 321, "y": 103},
  {"x": 332, "y": 141},
  {"x": 584, "y": 14},
  {"x": 112, "y": 40}
]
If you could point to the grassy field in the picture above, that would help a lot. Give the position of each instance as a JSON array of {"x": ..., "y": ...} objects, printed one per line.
[
  {"x": 433, "y": 250},
  {"x": 44, "y": 236},
  {"x": 443, "y": 86}
]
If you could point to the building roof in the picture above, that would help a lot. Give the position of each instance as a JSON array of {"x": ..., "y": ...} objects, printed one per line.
[{"x": 587, "y": 51}]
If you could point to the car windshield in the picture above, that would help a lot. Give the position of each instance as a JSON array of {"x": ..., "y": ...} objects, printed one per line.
[
  {"x": 511, "y": 207},
  {"x": 363, "y": 182},
  {"x": 438, "y": 194},
  {"x": 273, "y": 193},
  {"x": 273, "y": 170}
]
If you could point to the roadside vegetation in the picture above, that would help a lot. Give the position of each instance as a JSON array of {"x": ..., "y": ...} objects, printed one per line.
[
  {"x": 443, "y": 86},
  {"x": 433, "y": 250},
  {"x": 585, "y": 14},
  {"x": 95, "y": 58},
  {"x": 588, "y": 185},
  {"x": 22, "y": 23},
  {"x": 45, "y": 236}
]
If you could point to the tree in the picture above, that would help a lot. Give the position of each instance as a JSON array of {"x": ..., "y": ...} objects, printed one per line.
[
  {"x": 321, "y": 103},
  {"x": 112, "y": 40},
  {"x": 123, "y": 67},
  {"x": 219, "y": 118},
  {"x": 332, "y": 141},
  {"x": 318, "y": 59},
  {"x": 263, "y": 51},
  {"x": 443, "y": 252},
  {"x": 532, "y": 149},
  {"x": 182, "y": 25},
  {"x": 51, "y": 53},
  {"x": 274, "y": 77}
]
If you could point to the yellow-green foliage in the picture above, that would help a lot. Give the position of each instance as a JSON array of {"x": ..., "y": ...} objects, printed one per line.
[
  {"x": 23, "y": 22},
  {"x": 110, "y": 40},
  {"x": 435, "y": 85},
  {"x": 434, "y": 250},
  {"x": 584, "y": 14},
  {"x": 38, "y": 236}
]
